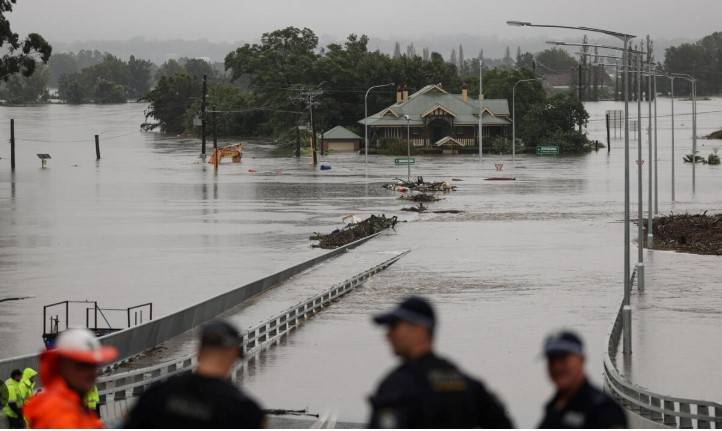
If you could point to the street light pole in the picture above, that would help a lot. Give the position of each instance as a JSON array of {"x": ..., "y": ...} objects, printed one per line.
[
  {"x": 640, "y": 231},
  {"x": 650, "y": 168},
  {"x": 656, "y": 157},
  {"x": 694, "y": 135},
  {"x": 408, "y": 149},
  {"x": 366, "y": 119},
  {"x": 671, "y": 79},
  {"x": 513, "y": 114},
  {"x": 625, "y": 38}
]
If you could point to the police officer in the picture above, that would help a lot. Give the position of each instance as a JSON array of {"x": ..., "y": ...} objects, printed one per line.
[
  {"x": 13, "y": 407},
  {"x": 426, "y": 391},
  {"x": 576, "y": 403}
]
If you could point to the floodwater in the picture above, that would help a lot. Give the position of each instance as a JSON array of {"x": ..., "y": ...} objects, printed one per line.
[{"x": 150, "y": 223}]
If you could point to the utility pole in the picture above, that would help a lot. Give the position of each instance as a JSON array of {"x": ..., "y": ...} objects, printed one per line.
[
  {"x": 650, "y": 168},
  {"x": 97, "y": 147},
  {"x": 481, "y": 109},
  {"x": 203, "y": 118},
  {"x": 307, "y": 97}
]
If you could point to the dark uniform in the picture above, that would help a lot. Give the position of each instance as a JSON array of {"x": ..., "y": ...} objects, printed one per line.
[
  {"x": 431, "y": 392},
  {"x": 590, "y": 408}
]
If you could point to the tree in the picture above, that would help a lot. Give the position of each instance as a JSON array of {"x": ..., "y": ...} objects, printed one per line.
[
  {"x": 452, "y": 59},
  {"x": 525, "y": 61},
  {"x": 169, "y": 102},
  {"x": 139, "y": 79},
  {"x": 21, "y": 56},
  {"x": 61, "y": 64},
  {"x": 109, "y": 92},
  {"x": 19, "y": 89},
  {"x": 426, "y": 54},
  {"x": 701, "y": 59},
  {"x": 461, "y": 58},
  {"x": 556, "y": 60},
  {"x": 397, "y": 50},
  {"x": 554, "y": 120},
  {"x": 507, "y": 61},
  {"x": 70, "y": 89}
]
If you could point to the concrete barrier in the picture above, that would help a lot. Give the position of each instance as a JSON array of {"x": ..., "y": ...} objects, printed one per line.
[{"x": 139, "y": 338}]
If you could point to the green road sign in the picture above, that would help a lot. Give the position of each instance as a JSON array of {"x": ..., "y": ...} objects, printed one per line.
[
  {"x": 547, "y": 150},
  {"x": 405, "y": 161}
]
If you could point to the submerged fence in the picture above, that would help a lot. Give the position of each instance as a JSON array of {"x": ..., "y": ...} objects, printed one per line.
[
  {"x": 142, "y": 337},
  {"x": 117, "y": 390},
  {"x": 662, "y": 409}
]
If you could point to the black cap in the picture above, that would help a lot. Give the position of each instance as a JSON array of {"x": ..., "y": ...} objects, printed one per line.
[
  {"x": 563, "y": 343},
  {"x": 15, "y": 373},
  {"x": 219, "y": 333},
  {"x": 413, "y": 309}
]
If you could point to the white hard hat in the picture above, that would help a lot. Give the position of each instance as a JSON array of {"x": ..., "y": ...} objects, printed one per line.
[{"x": 82, "y": 346}]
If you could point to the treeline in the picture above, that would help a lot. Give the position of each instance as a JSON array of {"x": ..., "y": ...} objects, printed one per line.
[
  {"x": 701, "y": 59},
  {"x": 266, "y": 87}
]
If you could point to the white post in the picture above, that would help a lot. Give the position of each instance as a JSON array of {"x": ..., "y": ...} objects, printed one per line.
[
  {"x": 673, "y": 156},
  {"x": 640, "y": 192},
  {"x": 656, "y": 156},
  {"x": 408, "y": 149},
  {"x": 694, "y": 136},
  {"x": 513, "y": 122},
  {"x": 366, "y": 128},
  {"x": 627, "y": 321},
  {"x": 650, "y": 168}
]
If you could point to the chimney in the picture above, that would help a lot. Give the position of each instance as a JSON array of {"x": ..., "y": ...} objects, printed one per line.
[
  {"x": 399, "y": 95},
  {"x": 465, "y": 92},
  {"x": 406, "y": 93}
]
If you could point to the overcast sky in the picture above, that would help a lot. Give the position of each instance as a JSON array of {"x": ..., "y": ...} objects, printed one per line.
[{"x": 233, "y": 20}]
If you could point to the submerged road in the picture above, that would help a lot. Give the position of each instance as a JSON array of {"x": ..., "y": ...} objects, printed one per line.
[{"x": 149, "y": 223}]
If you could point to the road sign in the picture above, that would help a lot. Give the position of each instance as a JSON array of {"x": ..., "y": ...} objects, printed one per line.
[
  {"x": 547, "y": 150},
  {"x": 405, "y": 161}
]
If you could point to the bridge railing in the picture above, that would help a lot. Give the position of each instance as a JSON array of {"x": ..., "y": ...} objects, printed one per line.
[
  {"x": 116, "y": 389},
  {"x": 663, "y": 409}
]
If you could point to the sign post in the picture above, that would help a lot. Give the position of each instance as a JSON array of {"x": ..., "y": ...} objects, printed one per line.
[{"x": 547, "y": 150}]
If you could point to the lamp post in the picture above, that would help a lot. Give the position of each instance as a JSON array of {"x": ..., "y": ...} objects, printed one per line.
[
  {"x": 625, "y": 38},
  {"x": 640, "y": 230},
  {"x": 693, "y": 81},
  {"x": 650, "y": 168},
  {"x": 366, "y": 119},
  {"x": 671, "y": 82},
  {"x": 408, "y": 148},
  {"x": 513, "y": 114}
]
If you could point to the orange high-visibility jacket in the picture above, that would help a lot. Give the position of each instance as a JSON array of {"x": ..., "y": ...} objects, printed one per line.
[{"x": 57, "y": 406}]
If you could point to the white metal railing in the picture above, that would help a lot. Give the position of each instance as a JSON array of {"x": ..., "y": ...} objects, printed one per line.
[
  {"x": 120, "y": 387},
  {"x": 663, "y": 409}
]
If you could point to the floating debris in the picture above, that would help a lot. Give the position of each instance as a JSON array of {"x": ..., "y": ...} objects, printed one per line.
[
  {"x": 419, "y": 185},
  {"x": 354, "y": 231},
  {"x": 500, "y": 179},
  {"x": 422, "y": 209},
  {"x": 420, "y": 197},
  {"x": 690, "y": 233}
]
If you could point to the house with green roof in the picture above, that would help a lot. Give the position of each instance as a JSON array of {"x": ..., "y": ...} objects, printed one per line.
[
  {"x": 340, "y": 140},
  {"x": 439, "y": 119}
]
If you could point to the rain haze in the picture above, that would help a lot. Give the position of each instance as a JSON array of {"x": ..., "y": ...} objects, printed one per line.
[{"x": 157, "y": 173}]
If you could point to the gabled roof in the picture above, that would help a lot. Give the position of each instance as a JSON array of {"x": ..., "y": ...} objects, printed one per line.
[
  {"x": 447, "y": 140},
  {"x": 340, "y": 132},
  {"x": 438, "y": 107},
  {"x": 430, "y": 97}
]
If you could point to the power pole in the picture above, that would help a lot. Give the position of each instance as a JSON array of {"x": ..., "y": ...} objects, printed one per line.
[
  {"x": 307, "y": 97},
  {"x": 203, "y": 117},
  {"x": 298, "y": 142}
]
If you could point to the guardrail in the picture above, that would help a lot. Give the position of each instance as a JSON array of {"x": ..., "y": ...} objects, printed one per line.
[
  {"x": 137, "y": 339},
  {"x": 116, "y": 389},
  {"x": 663, "y": 409}
]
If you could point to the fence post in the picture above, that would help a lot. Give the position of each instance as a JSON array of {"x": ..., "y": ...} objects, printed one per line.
[
  {"x": 12, "y": 144},
  {"x": 97, "y": 147}
]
